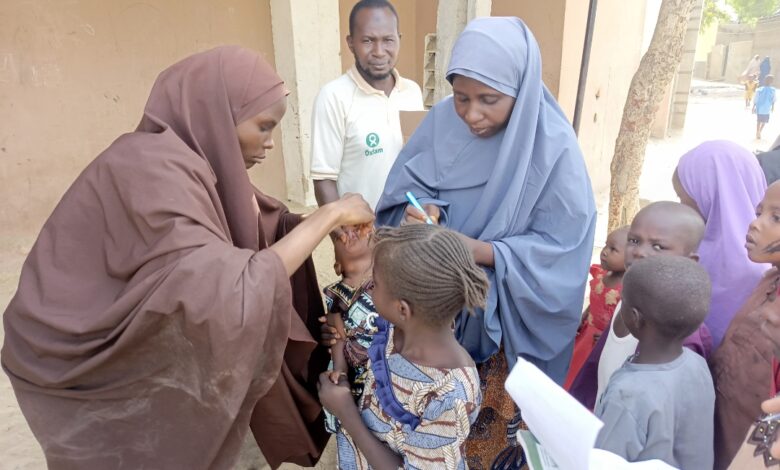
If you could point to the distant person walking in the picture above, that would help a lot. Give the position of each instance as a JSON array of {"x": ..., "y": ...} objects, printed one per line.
[
  {"x": 764, "y": 104},
  {"x": 753, "y": 67},
  {"x": 751, "y": 84},
  {"x": 764, "y": 69}
]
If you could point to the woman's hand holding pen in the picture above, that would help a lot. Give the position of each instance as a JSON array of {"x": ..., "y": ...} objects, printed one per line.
[{"x": 415, "y": 216}]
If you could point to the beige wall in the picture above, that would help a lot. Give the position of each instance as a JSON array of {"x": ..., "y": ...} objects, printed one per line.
[
  {"x": 417, "y": 18},
  {"x": 546, "y": 21},
  {"x": 575, "y": 24},
  {"x": 609, "y": 77},
  {"x": 559, "y": 27},
  {"x": 75, "y": 75}
]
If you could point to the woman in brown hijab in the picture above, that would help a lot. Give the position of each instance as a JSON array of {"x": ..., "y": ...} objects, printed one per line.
[{"x": 156, "y": 310}]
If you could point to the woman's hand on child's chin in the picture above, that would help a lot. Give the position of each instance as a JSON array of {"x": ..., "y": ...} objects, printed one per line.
[{"x": 337, "y": 398}]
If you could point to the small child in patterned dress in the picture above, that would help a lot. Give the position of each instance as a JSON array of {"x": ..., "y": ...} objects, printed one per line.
[
  {"x": 422, "y": 391},
  {"x": 351, "y": 312},
  {"x": 605, "y": 287}
]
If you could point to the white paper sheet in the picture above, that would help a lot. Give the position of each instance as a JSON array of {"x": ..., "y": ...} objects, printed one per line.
[{"x": 565, "y": 428}]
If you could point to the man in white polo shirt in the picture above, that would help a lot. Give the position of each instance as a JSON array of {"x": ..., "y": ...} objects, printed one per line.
[{"x": 356, "y": 130}]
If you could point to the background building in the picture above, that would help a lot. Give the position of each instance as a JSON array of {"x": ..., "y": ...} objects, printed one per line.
[{"x": 75, "y": 75}]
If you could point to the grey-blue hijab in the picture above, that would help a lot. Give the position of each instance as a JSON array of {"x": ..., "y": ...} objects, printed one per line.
[{"x": 526, "y": 190}]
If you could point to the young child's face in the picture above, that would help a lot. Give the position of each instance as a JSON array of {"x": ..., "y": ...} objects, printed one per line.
[
  {"x": 352, "y": 255},
  {"x": 651, "y": 235},
  {"x": 353, "y": 249},
  {"x": 613, "y": 253},
  {"x": 763, "y": 237}
]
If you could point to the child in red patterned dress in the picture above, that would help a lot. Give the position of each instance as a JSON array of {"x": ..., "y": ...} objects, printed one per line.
[{"x": 605, "y": 290}]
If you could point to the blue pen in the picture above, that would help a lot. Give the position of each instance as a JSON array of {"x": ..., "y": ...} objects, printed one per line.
[{"x": 414, "y": 202}]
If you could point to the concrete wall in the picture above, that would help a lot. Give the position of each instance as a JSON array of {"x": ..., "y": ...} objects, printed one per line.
[
  {"x": 417, "y": 18},
  {"x": 766, "y": 42},
  {"x": 546, "y": 20},
  {"x": 574, "y": 28},
  {"x": 559, "y": 27},
  {"x": 307, "y": 46},
  {"x": 682, "y": 81},
  {"x": 736, "y": 44},
  {"x": 715, "y": 62},
  {"x": 707, "y": 36},
  {"x": 733, "y": 32},
  {"x": 609, "y": 77},
  {"x": 75, "y": 75},
  {"x": 739, "y": 55}
]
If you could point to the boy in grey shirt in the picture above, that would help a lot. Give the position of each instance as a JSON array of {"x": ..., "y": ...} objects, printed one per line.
[{"x": 660, "y": 404}]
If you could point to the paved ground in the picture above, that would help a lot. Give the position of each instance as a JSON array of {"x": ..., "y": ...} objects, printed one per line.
[{"x": 716, "y": 112}]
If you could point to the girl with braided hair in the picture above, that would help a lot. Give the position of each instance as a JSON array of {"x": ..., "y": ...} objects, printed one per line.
[{"x": 422, "y": 390}]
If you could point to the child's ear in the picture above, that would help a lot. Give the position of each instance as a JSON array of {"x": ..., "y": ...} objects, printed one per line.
[
  {"x": 637, "y": 317},
  {"x": 337, "y": 268},
  {"x": 404, "y": 310},
  {"x": 694, "y": 256}
]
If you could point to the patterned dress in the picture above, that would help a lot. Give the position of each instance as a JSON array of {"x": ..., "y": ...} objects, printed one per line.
[
  {"x": 603, "y": 301},
  {"x": 359, "y": 316},
  {"x": 422, "y": 413}
]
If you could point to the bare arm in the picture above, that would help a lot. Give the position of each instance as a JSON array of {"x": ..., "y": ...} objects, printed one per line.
[
  {"x": 337, "y": 349},
  {"x": 338, "y": 399},
  {"x": 325, "y": 191},
  {"x": 298, "y": 245},
  {"x": 481, "y": 251}
]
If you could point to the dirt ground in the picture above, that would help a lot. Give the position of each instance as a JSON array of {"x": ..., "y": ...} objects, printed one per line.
[{"x": 718, "y": 114}]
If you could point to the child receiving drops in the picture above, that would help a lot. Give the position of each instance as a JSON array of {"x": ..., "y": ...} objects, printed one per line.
[
  {"x": 605, "y": 290},
  {"x": 422, "y": 390},
  {"x": 351, "y": 312}
]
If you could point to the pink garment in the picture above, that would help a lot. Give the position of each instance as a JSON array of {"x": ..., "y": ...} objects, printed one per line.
[
  {"x": 742, "y": 371},
  {"x": 727, "y": 183}
]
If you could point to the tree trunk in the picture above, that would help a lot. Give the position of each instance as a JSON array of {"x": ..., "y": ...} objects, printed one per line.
[{"x": 648, "y": 87}]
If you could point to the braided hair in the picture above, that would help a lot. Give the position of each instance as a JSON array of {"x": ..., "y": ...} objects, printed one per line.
[{"x": 431, "y": 269}]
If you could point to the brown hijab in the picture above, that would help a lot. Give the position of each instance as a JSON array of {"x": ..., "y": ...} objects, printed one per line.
[
  {"x": 147, "y": 325},
  {"x": 742, "y": 371}
]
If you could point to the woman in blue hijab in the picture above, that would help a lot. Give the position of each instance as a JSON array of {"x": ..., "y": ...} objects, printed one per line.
[{"x": 499, "y": 162}]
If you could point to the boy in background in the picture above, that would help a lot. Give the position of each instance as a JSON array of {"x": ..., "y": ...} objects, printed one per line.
[
  {"x": 764, "y": 104},
  {"x": 660, "y": 404}
]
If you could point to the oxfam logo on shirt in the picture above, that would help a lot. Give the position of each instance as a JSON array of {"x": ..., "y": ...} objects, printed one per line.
[{"x": 372, "y": 141}]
